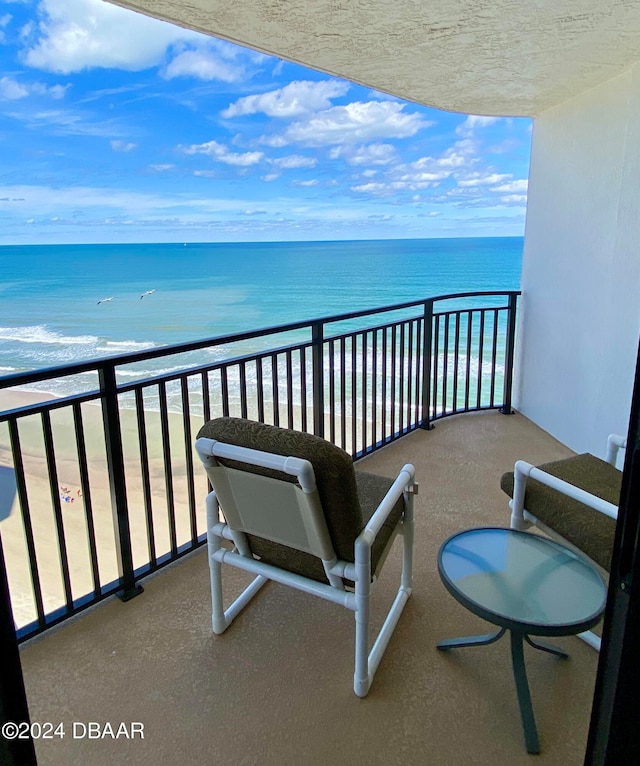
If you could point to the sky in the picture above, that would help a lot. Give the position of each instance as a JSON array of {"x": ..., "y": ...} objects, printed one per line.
[{"x": 115, "y": 127}]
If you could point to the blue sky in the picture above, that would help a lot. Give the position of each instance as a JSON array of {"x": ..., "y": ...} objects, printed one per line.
[{"x": 115, "y": 127}]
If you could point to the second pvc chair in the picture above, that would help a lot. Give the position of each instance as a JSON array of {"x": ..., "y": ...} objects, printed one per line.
[
  {"x": 297, "y": 512},
  {"x": 574, "y": 500}
]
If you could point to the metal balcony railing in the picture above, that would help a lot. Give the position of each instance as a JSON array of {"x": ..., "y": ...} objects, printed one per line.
[{"x": 360, "y": 380}]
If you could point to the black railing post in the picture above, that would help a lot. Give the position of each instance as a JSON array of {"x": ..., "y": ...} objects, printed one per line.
[
  {"x": 425, "y": 420},
  {"x": 16, "y": 745},
  {"x": 317, "y": 358},
  {"x": 509, "y": 355},
  {"x": 117, "y": 482}
]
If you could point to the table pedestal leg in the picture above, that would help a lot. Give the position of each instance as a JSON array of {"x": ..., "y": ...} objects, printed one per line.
[
  {"x": 524, "y": 695},
  {"x": 545, "y": 647},
  {"x": 454, "y": 643},
  {"x": 519, "y": 673}
]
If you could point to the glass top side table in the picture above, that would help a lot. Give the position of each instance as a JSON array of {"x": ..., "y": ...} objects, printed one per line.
[{"x": 525, "y": 584}]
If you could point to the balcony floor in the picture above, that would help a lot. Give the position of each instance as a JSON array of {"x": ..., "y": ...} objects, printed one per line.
[{"x": 276, "y": 688}]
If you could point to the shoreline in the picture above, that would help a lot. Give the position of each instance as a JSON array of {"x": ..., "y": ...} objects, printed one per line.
[{"x": 12, "y": 398}]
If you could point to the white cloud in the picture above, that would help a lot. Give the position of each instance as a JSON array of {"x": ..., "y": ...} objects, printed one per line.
[
  {"x": 221, "y": 153},
  {"x": 421, "y": 180},
  {"x": 68, "y": 122},
  {"x": 27, "y": 30},
  {"x": 423, "y": 173},
  {"x": 475, "y": 197},
  {"x": 473, "y": 121},
  {"x": 122, "y": 146},
  {"x": 4, "y": 21},
  {"x": 275, "y": 142},
  {"x": 295, "y": 99},
  {"x": 480, "y": 120},
  {"x": 73, "y": 35},
  {"x": 431, "y": 168},
  {"x": 55, "y": 91},
  {"x": 477, "y": 179},
  {"x": 368, "y": 154},
  {"x": 60, "y": 200},
  {"x": 294, "y": 161},
  {"x": 452, "y": 158},
  {"x": 521, "y": 185},
  {"x": 271, "y": 177},
  {"x": 13, "y": 90},
  {"x": 370, "y": 188},
  {"x": 358, "y": 121},
  {"x": 204, "y": 64},
  {"x": 162, "y": 167},
  {"x": 313, "y": 182},
  {"x": 505, "y": 146}
]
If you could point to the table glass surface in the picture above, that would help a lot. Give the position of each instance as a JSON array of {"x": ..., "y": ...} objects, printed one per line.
[{"x": 522, "y": 577}]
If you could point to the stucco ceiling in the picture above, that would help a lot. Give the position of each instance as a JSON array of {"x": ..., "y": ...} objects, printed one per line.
[{"x": 499, "y": 57}]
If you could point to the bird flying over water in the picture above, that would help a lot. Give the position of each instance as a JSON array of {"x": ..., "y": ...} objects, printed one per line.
[
  {"x": 149, "y": 292},
  {"x": 104, "y": 300}
]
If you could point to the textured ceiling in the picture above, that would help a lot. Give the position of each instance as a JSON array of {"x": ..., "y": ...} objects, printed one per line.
[{"x": 501, "y": 57}]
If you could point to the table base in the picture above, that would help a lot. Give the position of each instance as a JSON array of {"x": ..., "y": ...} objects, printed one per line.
[{"x": 519, "y": 673}]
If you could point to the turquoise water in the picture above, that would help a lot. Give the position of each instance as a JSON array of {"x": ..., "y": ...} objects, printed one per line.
[{"x": 49, "y": 311}]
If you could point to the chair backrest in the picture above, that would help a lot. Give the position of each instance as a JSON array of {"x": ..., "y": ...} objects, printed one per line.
[
  {"x": 277, "y": 510},
  {"x": 237, "y": 475}
]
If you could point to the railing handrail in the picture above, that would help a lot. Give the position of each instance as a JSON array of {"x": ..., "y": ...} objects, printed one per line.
[{"x": 63, "y": 371}]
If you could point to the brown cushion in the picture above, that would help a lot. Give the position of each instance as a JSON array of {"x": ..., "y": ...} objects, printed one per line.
[
  {"x": 589, "y": 530},
  {"x": 348, "y": 498}
]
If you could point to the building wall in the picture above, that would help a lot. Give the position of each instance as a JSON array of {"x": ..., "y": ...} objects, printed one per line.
[{"x": 580, "y": 319}]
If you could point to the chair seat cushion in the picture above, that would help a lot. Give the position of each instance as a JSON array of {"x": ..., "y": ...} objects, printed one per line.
[{"x": 587, "y": 529}]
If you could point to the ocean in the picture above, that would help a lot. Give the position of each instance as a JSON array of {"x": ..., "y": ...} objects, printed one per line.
[{"x": 53, "y": 312}]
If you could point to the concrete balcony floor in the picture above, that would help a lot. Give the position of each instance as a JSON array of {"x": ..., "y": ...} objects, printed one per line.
[{"x": 276, "y": 688}]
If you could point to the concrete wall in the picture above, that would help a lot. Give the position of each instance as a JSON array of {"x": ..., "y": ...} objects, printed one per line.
[{"x": 580, "y": 320}]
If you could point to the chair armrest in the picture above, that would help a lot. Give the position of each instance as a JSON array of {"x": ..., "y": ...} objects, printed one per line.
[
  {"x": 404, "y": 481},
  {"x": 615, "y": 442},
  {"x": 524, "y": 470},
  {"x": 360, "y": 570}
]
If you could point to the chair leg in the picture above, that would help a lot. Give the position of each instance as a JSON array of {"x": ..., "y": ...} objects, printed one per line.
[
  {"x": 218, "y": 622},
  {"x": 589, "y": 637},
  {"x": 408, "y": 526},
  {"x": 366, "y": 662},
  {"x": 361, "y": 676},
  {"x": 221, "y": 618}
]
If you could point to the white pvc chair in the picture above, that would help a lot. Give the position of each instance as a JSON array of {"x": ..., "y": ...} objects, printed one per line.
[
  {"x": 290, "y": 513},
  {"x": 596, "y": 480}
]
